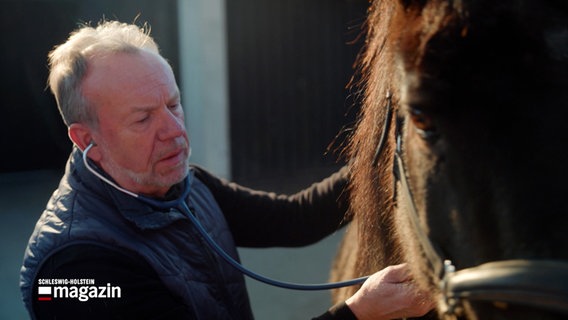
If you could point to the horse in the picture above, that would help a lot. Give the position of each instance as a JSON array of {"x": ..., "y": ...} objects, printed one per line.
[{"x": 458, "y": 157}]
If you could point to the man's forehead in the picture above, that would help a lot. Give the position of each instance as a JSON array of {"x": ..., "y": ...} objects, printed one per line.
[{"x": 129, "y": 76}]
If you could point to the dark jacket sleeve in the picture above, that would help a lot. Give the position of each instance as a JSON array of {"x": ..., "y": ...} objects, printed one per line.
[
  {"x": 339, "y": 311},
  {"x": 142, "y": 293},
  {"x": 265, "y": 219}
]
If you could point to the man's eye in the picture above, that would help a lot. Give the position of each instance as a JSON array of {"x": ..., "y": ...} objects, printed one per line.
[{"x": 142, "y": 120}]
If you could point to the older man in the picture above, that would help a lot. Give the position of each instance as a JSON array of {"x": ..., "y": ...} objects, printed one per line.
[{"x": 101, "y": 251}]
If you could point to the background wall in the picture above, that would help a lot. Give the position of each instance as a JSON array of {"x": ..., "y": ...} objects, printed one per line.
[{"x": 289, "y": 63}]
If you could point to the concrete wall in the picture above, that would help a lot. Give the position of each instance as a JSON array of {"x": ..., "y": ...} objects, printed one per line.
[{"x": 204, "y": 82}]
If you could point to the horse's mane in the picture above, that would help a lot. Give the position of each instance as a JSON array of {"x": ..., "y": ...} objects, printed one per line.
[
  {"x": 378, "y": 75},
  {"x": 370, "y": 201}
]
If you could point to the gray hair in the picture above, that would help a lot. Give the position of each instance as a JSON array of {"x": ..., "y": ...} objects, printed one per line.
[{"x": 68, "y": 63}]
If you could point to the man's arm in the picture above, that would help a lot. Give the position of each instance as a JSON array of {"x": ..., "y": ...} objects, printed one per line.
[
  {"x": 142, "y": 294},
  {"x": 264, "y": 219}
]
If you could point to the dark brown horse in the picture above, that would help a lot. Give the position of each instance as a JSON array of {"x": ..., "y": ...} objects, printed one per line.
[{"x": 460, "y": 154}]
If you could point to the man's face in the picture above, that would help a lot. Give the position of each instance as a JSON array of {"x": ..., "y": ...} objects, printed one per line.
[{"x": 141, "y": 138}]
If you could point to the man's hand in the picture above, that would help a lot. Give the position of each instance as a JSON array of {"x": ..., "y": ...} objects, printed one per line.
[{"x": 390, "y": 294}]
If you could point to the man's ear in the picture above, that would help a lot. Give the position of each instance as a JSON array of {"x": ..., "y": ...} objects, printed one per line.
[{"x": 82, "y": 137}]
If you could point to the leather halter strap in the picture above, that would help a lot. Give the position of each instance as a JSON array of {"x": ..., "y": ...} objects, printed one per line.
[
  {"x": 434, "y": 258},
  {"x": 537, "y": 283}
]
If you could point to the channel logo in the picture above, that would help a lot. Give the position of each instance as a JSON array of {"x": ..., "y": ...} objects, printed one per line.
[{"x": 82, "y": 293}]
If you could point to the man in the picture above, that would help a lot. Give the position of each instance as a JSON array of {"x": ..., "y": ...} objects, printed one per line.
[{"x": 101, "y": 234}]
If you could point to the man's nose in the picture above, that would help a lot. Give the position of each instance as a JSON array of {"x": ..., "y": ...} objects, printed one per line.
[{"x": 172, "y": 125}]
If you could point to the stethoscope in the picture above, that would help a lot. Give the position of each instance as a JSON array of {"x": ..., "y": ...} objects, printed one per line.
[{"x": 182, "y": 206}]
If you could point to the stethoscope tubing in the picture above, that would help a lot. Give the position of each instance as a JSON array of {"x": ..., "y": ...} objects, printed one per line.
[
  {"x": 287, "y": 285},
  {"x": 182, "y": 206}
]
